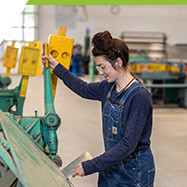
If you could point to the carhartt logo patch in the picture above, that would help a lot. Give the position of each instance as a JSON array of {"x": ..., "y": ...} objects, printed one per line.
[{"x": 114, "y": 130}]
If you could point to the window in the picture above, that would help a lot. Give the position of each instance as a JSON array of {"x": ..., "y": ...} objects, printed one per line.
[{"x": 26, "y": 28}]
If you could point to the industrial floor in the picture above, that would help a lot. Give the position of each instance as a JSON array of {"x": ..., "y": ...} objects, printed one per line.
[{"x": 81, "y": 131}]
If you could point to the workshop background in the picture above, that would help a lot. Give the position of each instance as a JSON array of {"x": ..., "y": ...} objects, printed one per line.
[{"x": 157, "y": 39}]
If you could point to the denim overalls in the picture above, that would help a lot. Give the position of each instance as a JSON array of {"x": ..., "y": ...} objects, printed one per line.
[{"x": 138, "y": 168}]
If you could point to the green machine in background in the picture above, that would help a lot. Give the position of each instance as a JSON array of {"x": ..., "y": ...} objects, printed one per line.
[
  {"x": 88, "y": 56},
  {"x": 10, "y": 98},
  {"x": 92, "y": 68},
  {"x": 87, "y": 42},
  {"x": 166, "y": 80},
  {"x": 5, "y": 82},
  {"x": 10, "y": 60}
]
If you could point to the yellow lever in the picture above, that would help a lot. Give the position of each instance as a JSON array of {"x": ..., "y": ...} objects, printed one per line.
[{"x": 46, "y": 52}]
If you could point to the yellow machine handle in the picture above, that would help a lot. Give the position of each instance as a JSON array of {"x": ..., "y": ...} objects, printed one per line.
[
  {"x": 53, "y": 76},
  {"x": 46, "y": 52}
]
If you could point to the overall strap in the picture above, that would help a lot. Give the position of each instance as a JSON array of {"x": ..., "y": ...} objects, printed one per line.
[
  {"x": 110, "y": 92},
  {"x": 129, "y": 91}
]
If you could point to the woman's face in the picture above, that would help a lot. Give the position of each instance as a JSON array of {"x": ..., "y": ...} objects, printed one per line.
[{"x": 105, "y": 68}]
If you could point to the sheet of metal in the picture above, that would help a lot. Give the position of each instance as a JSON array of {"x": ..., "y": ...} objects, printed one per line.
[
  {"x": 68, "y": 170},
  {"x": 33, "y": 166},
  {"x": 8, "y": 159},
  {"x": 8, "y": 179}
]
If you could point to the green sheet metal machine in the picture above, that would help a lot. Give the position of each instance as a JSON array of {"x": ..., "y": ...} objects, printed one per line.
[
  {"x": 28, "y": 145},
  {"x": 21, "y": 160}
]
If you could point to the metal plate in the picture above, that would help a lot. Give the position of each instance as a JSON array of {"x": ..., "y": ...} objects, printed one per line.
[
  {"x": 68, "y": 170},
  {"x": 34, "y": 167}
]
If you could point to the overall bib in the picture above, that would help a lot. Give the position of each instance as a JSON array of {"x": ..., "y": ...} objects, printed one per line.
[{"x": 138, "y": 168}]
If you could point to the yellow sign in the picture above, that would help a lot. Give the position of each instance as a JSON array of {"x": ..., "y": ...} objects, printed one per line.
[
  {"x": 28, "y": 61},
  {"x": 10, "y": 58},
  {"x": 37, "y": 44},
  {"x": 60, "y": 47}
]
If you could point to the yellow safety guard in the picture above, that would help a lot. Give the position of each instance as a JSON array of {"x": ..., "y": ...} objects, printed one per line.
[
  {"x": 60, "y": 47},
  {"x": 37, "y": 44},
  {"x": 28, "y": 61},
  {"x": 10, "y": 58}
]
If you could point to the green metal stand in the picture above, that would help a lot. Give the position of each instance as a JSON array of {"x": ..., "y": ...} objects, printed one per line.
[
  {"x": 51, "y": 119},
  {"x": 91, "y": 68}
]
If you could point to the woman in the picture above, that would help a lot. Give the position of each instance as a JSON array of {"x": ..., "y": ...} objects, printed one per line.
[{"x": 126, "y": 114}]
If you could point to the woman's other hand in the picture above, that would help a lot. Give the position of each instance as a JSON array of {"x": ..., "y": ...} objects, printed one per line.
[{"x": 78, "y": 171}]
